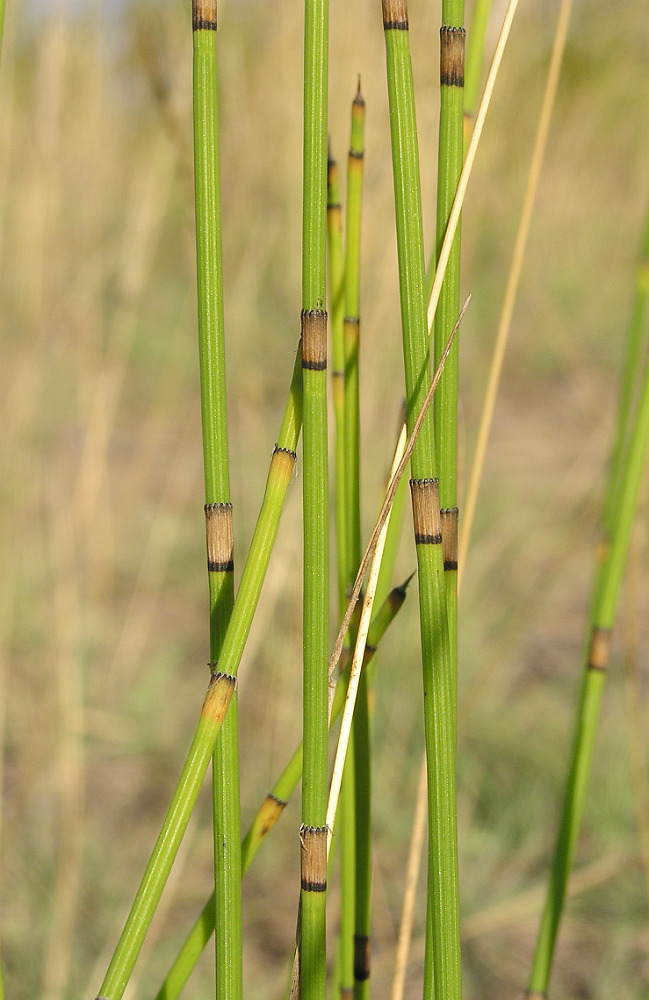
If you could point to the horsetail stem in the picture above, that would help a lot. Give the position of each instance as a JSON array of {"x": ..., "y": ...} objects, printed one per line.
[
  {"x": 337, "y": 312},
  {"x": 608, "y": 580},
  {"x": 218, "y": 510},
  {"x": 353, "y": 825},
  {"x": 450, "y": 160},
  {"x": 204, "y": 741},
  {"x": 273, "y": 807},
  {"x": 215, "y": 705},
  {"x": 437, "y": 670},
  {"x": 313, "y": 833}
]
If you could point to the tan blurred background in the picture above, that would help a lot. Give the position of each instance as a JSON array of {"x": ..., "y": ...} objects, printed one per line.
[{"x": 103, "y": 636}]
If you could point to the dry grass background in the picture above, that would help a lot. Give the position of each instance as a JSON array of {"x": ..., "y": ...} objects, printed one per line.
[{"x": 103, "y": 635}]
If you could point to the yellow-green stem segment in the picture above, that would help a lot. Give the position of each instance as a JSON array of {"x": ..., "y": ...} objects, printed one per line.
[
  {"x": 313, "y": 832},
  {"x": 218, "y": 510}
]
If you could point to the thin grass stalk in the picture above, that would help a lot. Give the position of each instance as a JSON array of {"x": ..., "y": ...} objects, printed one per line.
[
  {"x": 218, "y": 508},
  {"x": 437, "y": 669},
  {"x": 274, "y": 805},
  {"x": 607, "y": 589},
  {"x": 513, "y": 277},
  {"x": 313, "y": 834},
  {"x": 210, "y": 721}
]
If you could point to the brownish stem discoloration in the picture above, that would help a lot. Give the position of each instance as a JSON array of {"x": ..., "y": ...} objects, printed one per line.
[
  {"x": 449, "y": 519},
  {"x": 268, "y": 814},
  {"x": 204, "y": 13},
  {"x": 425, "y": 511},
  {"x": 314, "y": 339},
  {"x": 313, "y": 857},
  {"x": 218, "y": 697},
  {"x": 395, "y": 15},
  {"x": 361, "y": 958},
  {"x": 218, "y": 530},
  {"x": 451, "y": 62},
  {"x": 600, "y": 647}
]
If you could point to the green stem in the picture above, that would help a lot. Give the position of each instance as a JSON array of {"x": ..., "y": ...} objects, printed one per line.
[
  {"x": 337, "y": 313},
  {"x": 225, "y": 766},
  {"x": 313, "y": 833},
  {"x": 272, "y": 808},
  {"x": 202, "y": 748},
  {"x": 128, "y": 948},
  {"x": 437, "y": 671},
  {"x": 604, "y": 606}
]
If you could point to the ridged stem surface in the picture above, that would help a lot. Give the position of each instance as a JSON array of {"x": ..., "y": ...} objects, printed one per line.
[
  {"x": 437, "y": 672},
  {"x": 312, "y": 943},
  {"x": 209, "y": 268},
  {"x": 272, "y": 808}
]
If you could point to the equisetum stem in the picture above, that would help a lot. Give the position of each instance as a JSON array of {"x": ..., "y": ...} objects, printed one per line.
[
  {"x": 204, "y": 741},
  {"x": 215, "y": 705},
  {"x": 604, "y": 607},
  {"x": 354, "y": 826},
  {"x": 218, "y": 509},
  {"x": 273, "y": 807},
  {"x": 437, "y": 671},
  {"x": 337, "y": 313},
  {"x": 313, "y": 833}
]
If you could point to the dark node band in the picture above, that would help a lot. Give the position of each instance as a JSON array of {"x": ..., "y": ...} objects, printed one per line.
[
  {"x": 395, "y": 25},
  {"x": 451, "y": 70},
  {"x": 217, "y": 506},
  {"x": 450, "y": 564},
  {"x": 201, "y": 24},
  {"x": 221, "y": 567},
  {"x": 335, "y": 207},
  {"x": 428, "y": 539},
  {"x": 217, "y": 675},
  {"x": 313, "y": 886},
  {"x": 278, "y": 450},
  {"x": 280, "y": 802},
  {"x": 355, "y": 155},
  {"x": 314, "y": 366}
]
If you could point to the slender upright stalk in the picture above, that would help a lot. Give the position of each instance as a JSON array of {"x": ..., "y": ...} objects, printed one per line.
[
  {"x": 604, "y": 606},
  {"x": 148, "y": 895},
  {"x": 313, "y": 833},
  {"x": 437, "y": 672},
  {"x": 212, "y": 715},
  {"x": 218, "y": 509},
  {"x": 513, "y": 277},
  {"x": 337, "y": 313},
  {"x": 273, "y": 806},
  {"x": 450, "y": 160}
]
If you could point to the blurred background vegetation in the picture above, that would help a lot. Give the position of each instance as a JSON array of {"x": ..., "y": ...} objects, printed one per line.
[{"x": 103, "y": 601}]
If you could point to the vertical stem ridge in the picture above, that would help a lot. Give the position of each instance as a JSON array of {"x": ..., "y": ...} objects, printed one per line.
[
  {"x": 443, "y": 939},
  {"x": 218, "y": 510}
]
